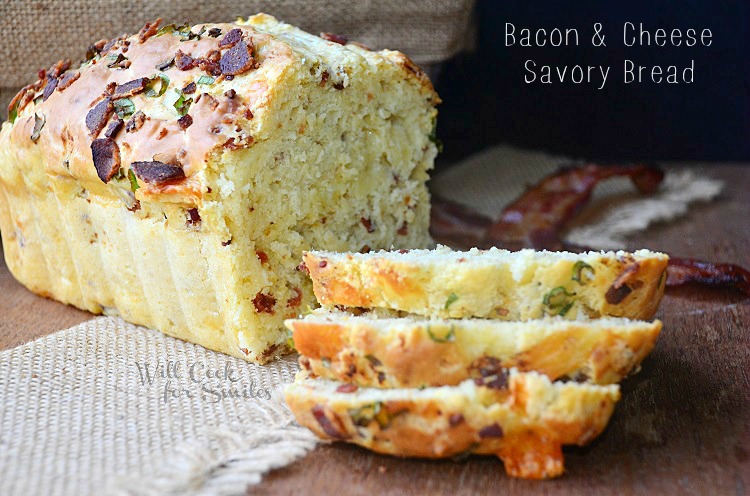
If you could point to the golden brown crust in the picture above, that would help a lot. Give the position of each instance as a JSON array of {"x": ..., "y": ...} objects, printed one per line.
[
  {"x": 621, "y": 284},
  {"x": 525, "y": 425},
  {"x": 412, "y": 353}
]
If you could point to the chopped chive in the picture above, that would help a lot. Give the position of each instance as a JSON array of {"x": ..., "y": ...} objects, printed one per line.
[
  {"x": 558, "y": 301},
  {"x": 133, "y": 181},
  {"x": 38, "y": 125},
  {"x": 206, "y": 80},
  {"x": 364, "y": 415},
  {"x": 451, "y": 300},
  {"x": 124, "y": 107},
  {"x": 448, "y": 338},
  {"x": 578, "y": 270},
  {"x": 182, "y": 105},
  {"x": 163, "y": 81}
]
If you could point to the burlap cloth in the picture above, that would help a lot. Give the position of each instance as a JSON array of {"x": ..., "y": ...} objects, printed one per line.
[
  {"x": 78, "y": 415},
  {"x": 38, "y": 33}
]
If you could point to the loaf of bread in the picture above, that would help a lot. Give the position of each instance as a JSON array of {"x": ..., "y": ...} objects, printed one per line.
[
  {"x": 523, "y": 418},
  {"x": 418, "y": 352},
  {"x": 177, "y": 175},
  {"x": 496, "y": 284}
]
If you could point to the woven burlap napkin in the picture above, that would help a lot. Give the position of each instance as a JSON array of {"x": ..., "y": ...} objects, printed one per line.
[{"x": 107, "y": 407}]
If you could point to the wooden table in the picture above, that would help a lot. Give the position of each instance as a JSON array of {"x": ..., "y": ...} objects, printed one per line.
[{"x": 682, "y": 427}]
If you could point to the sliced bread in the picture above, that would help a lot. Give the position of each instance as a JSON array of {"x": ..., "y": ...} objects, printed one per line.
[
  {"x": 418, "y": 352},
  {"x": 523, "y": 418},
  {"x": 494, "y": 283}
]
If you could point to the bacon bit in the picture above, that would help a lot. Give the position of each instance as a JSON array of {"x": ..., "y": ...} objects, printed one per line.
[
  {"x": 303, "y": 268},
  {"x": 336, "y": 38},
  {"x": 264, "y": 303},
  {"x": 239, "y": 143},
  {"x": 339, "y": 86},
  {"x": 322, "y": 264},
  {"x": 368, "y": 224},
  {"x": 212, "y": 102},
  {"x": 135, "y": 122},
  {"x": 324, "y": 78},
  {"x": 98, "y": 116},
  {"x": 131, "y": 87},
  {"x": 245, "y": 351},
  {"x": 347, "y": 388},
  {"x": 248, "y": 114},
  {"x": 185, "y": 121},
  {"x": 210, "y": 66},
  {"x": 403, "y": 230},
  {"x": 493, "y": 430},
  {"x": 162, "y": 134},
  {"x": 106, "y": 156},
  {"x": 114, "y": 128},
  {"x": 214, "y": 32},
  {"x": 109, "y": 89},
  {"x": 237, "y": 60},
  {"x": 326, "y": 424},
  {"x": 67, "y": 79},
  {"x": 58, "y": 68},
  {"x": 487, "y": 366},
  {"x": 189, "y": 88},
  {"x": 49, "y": 88},
  {"x": 165, "y": 65},
  {"x": 620, "y": 289},
  {"x": 455, "y": 419},
  {"x": 296, "y": 300},
  {"x": 685, "y": 271},
  {"x": 148, "y": 30},
  {"x": 268, "y": 352},
  {"x": 121, "y": 62},
  {"x": 153, "y": 172},
  {"x": 403, "y": 251},
  {"x": 262, "y": 256},
  {"x": 193, "y": 217},
  {"x": 231, "y": 38},
  {"x": 365, "y": 249},
  {"x": 227, "y": 242},
  {"x": 230, "y": 93},
  {"x": 183, "y": 61}
]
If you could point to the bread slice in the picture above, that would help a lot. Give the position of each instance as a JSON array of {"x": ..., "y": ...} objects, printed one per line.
[
  {"x": 419, "y": 352},
  {"x": 300, "y": 142},
  {"x": 523, "y": 418},
  {"x": 496, "y": 283}
]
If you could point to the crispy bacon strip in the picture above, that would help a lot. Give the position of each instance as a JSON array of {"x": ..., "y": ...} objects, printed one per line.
[
  {"x": 537, "y": 218},
  {"x": 539, "y": 215},
  {"x": 685, "y": 271},
  {"x": 456, "y": 225}
]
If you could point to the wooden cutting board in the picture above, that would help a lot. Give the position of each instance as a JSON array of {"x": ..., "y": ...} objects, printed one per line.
[{"x": 682, "y": 427}]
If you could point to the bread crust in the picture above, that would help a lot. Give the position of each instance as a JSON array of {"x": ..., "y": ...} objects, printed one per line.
[
  {"x": 525, "y": 424},
  {"x": 493, "y": 284},
  {"x": 388, "y": 353}
]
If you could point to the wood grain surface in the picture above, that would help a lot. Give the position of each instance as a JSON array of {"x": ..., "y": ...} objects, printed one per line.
[{"x": 682, "y": 427}]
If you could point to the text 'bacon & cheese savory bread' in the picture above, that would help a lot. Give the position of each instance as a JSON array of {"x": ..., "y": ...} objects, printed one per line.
[{"x": 176, "y": 176}]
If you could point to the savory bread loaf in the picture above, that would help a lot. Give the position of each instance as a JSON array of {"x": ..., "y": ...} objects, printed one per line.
[
  {"x": 495, "y": 283},
  {"x": 177, "y": 175},
  {"x": 523, "y": 418},
  {"x": 419, "y": 352}
]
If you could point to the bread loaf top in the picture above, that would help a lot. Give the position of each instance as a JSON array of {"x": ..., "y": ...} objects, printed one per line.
[{"x": 150, "y": 111}]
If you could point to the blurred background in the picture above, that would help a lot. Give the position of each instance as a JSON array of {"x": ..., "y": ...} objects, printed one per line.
[{"x": 461, "y": 45}]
